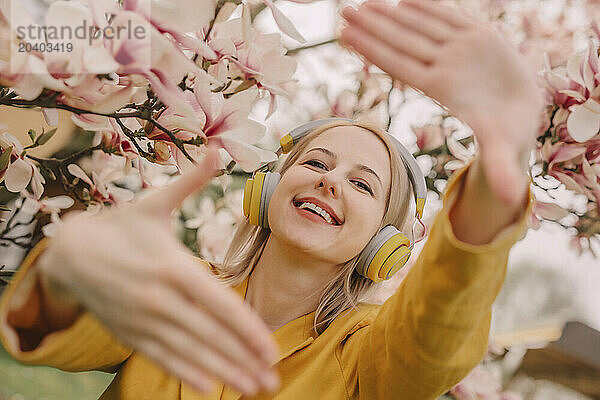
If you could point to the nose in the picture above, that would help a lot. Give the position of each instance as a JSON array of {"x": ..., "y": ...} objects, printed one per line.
[{"x": 330, "y": 184}]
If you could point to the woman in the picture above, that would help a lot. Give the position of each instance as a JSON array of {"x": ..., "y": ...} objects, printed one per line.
[{"x": 121, "y": 281}]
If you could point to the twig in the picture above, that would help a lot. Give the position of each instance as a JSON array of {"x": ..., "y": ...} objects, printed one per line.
[
  {"x": 131, "y": 137},
  {"x": 176, "y": 141},
  {"x": 310, "y": 46},
  {"x": 72, "y": 157}
]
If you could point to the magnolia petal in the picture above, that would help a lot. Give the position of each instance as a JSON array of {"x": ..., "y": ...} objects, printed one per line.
[
  {"x": 185, "y": 125},
  {"x": 245, "y": 68},
  {"x": 569, "y": 182},
  {"x": 51, "y": 116},
  {"x": 114, "y": 101},
  {"x": 120, "y": 194},
  {"x": 8, "y": 140},
  {"x": 549, "y": 211},
  {"x": 30, "y": 206},
  {"x": 247, "y": 31},
  {"x": 59, "y": 202},
  {"x": 98, "y": 60},
  {"x": 172, "y": 96},
  {"x": 574, "y": 68},
  {"x": 18, "y": 175},
  {"x": 247, "y": 156},
  {"x": 77, "y": 172},
  {"x": 284, "y": 23},
  {"x": 272, "y": 105},
  {"x": 454, "y": 165},
  {"x": 180, "y": 15},
  {"x": 100, "y": 185},
  {"x": 584, "y": 121},
  {"x": 588, "y": 72},
  {"x": 224, "y": 46},
  {"x": 565, "y": 152},
  {"x": 29, "y": 88},
  {"x": 198, "y": 45},
  {"x": 457, "y": 149},
  {"x": 37, "y": 182},
  {"x": 274, "y": 89},
  {"x": 91, "y": 122},
  {"x": 534, "y": 222},
  {"x": 572, "y": 93},
  {"x": 50, "y": 229}
]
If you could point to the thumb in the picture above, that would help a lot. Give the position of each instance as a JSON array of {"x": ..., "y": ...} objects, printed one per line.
[{"x": 171, "y": 196}]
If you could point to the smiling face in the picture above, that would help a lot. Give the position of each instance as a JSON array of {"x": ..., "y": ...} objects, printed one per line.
[{"x": 346, "y": 171}]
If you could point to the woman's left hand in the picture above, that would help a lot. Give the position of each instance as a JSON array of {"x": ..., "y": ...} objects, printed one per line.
[{"x": 468, "y": 67}]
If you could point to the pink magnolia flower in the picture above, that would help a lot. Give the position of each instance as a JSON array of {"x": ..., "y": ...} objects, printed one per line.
[
  {"x": 178, "y": 123},
  {"x": 254, "y": 55},
  {"x": 227, "y": 124},
  {"x": 20, "y": 170},
  {"x": 76, "y": 73},
  {"x": 47, "y": 205},
  {"x": 178, "y": 18},
  {"x": 101, "y": 190},
  {"x": 158, "y": 59},
  {"x": 577, "y": 88},
  {"x": 575, "y": 165}
]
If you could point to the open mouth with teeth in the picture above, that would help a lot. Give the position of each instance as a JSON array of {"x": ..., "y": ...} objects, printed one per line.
[{"x": 314, "y": 209}]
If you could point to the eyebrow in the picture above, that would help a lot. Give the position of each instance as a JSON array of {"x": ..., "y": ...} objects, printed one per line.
[{"x": 362, "y": 167}]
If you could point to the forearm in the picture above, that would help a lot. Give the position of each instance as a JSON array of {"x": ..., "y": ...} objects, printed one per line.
[
  {"x": 477, "y": 215},
  {"x": 33, "y": 310},
  {"x": 58, "y": 312}
]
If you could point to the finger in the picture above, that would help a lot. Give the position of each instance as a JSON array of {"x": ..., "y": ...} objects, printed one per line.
[
  {"x": 373, "y": 20},
  {"x": 183, "y": 346},
  {"x": 187, "y": 317},
  {"x": 171, "y": 196},
  {"x": 191, "y": 374},
  {"x": 400, "y": 66},
  {"x": 451, "y": 15},
  {"x": 415, "y": 20},
  {"x": 226, "y": 306}
]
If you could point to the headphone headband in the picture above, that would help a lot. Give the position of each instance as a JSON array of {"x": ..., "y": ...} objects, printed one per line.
[{"x": 415, "y": 175}]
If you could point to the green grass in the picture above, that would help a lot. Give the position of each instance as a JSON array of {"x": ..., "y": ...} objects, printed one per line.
[{"x": 23, "y": 382}]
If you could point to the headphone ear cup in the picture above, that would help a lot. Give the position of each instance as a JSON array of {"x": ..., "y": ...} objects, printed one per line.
[
  {"x": 269, "y": 186},
  {"x": 247, "y": 196},
  {"x": 252, "y": 195},
  {"x": 257, "y": 196},
  {"x": 384, "y": 255}
]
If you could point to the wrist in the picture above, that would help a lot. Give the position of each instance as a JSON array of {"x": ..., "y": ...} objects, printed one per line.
[{"x": 58, "y": 308}]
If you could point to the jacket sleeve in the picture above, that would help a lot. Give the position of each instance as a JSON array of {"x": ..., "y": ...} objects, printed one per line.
[
  {"x": 434, "y": 329},
  {"x": 83, "y": 346}
]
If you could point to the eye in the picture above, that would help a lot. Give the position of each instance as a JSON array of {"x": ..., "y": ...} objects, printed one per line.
[
  {"x": 316, "y": 164},
  {"x": 363, "y": 186}
]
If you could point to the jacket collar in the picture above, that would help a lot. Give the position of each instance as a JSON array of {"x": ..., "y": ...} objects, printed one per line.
[{"x": 291, "y": 337}]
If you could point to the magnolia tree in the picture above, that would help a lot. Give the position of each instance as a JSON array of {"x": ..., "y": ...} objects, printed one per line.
[{"x": 156, "y": 81}]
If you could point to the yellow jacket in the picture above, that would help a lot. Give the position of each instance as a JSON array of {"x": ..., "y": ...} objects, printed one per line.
[{"x": 422, "y": 341}]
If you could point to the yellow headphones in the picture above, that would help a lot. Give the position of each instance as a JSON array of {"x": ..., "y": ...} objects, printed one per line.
[{"x": 387, "y": 251}]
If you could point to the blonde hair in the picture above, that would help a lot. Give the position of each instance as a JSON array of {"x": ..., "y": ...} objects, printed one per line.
[{"x": 347, "y": 288}]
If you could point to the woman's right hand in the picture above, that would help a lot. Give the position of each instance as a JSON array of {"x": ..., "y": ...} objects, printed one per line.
[{"x": 127, "y": 267}]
